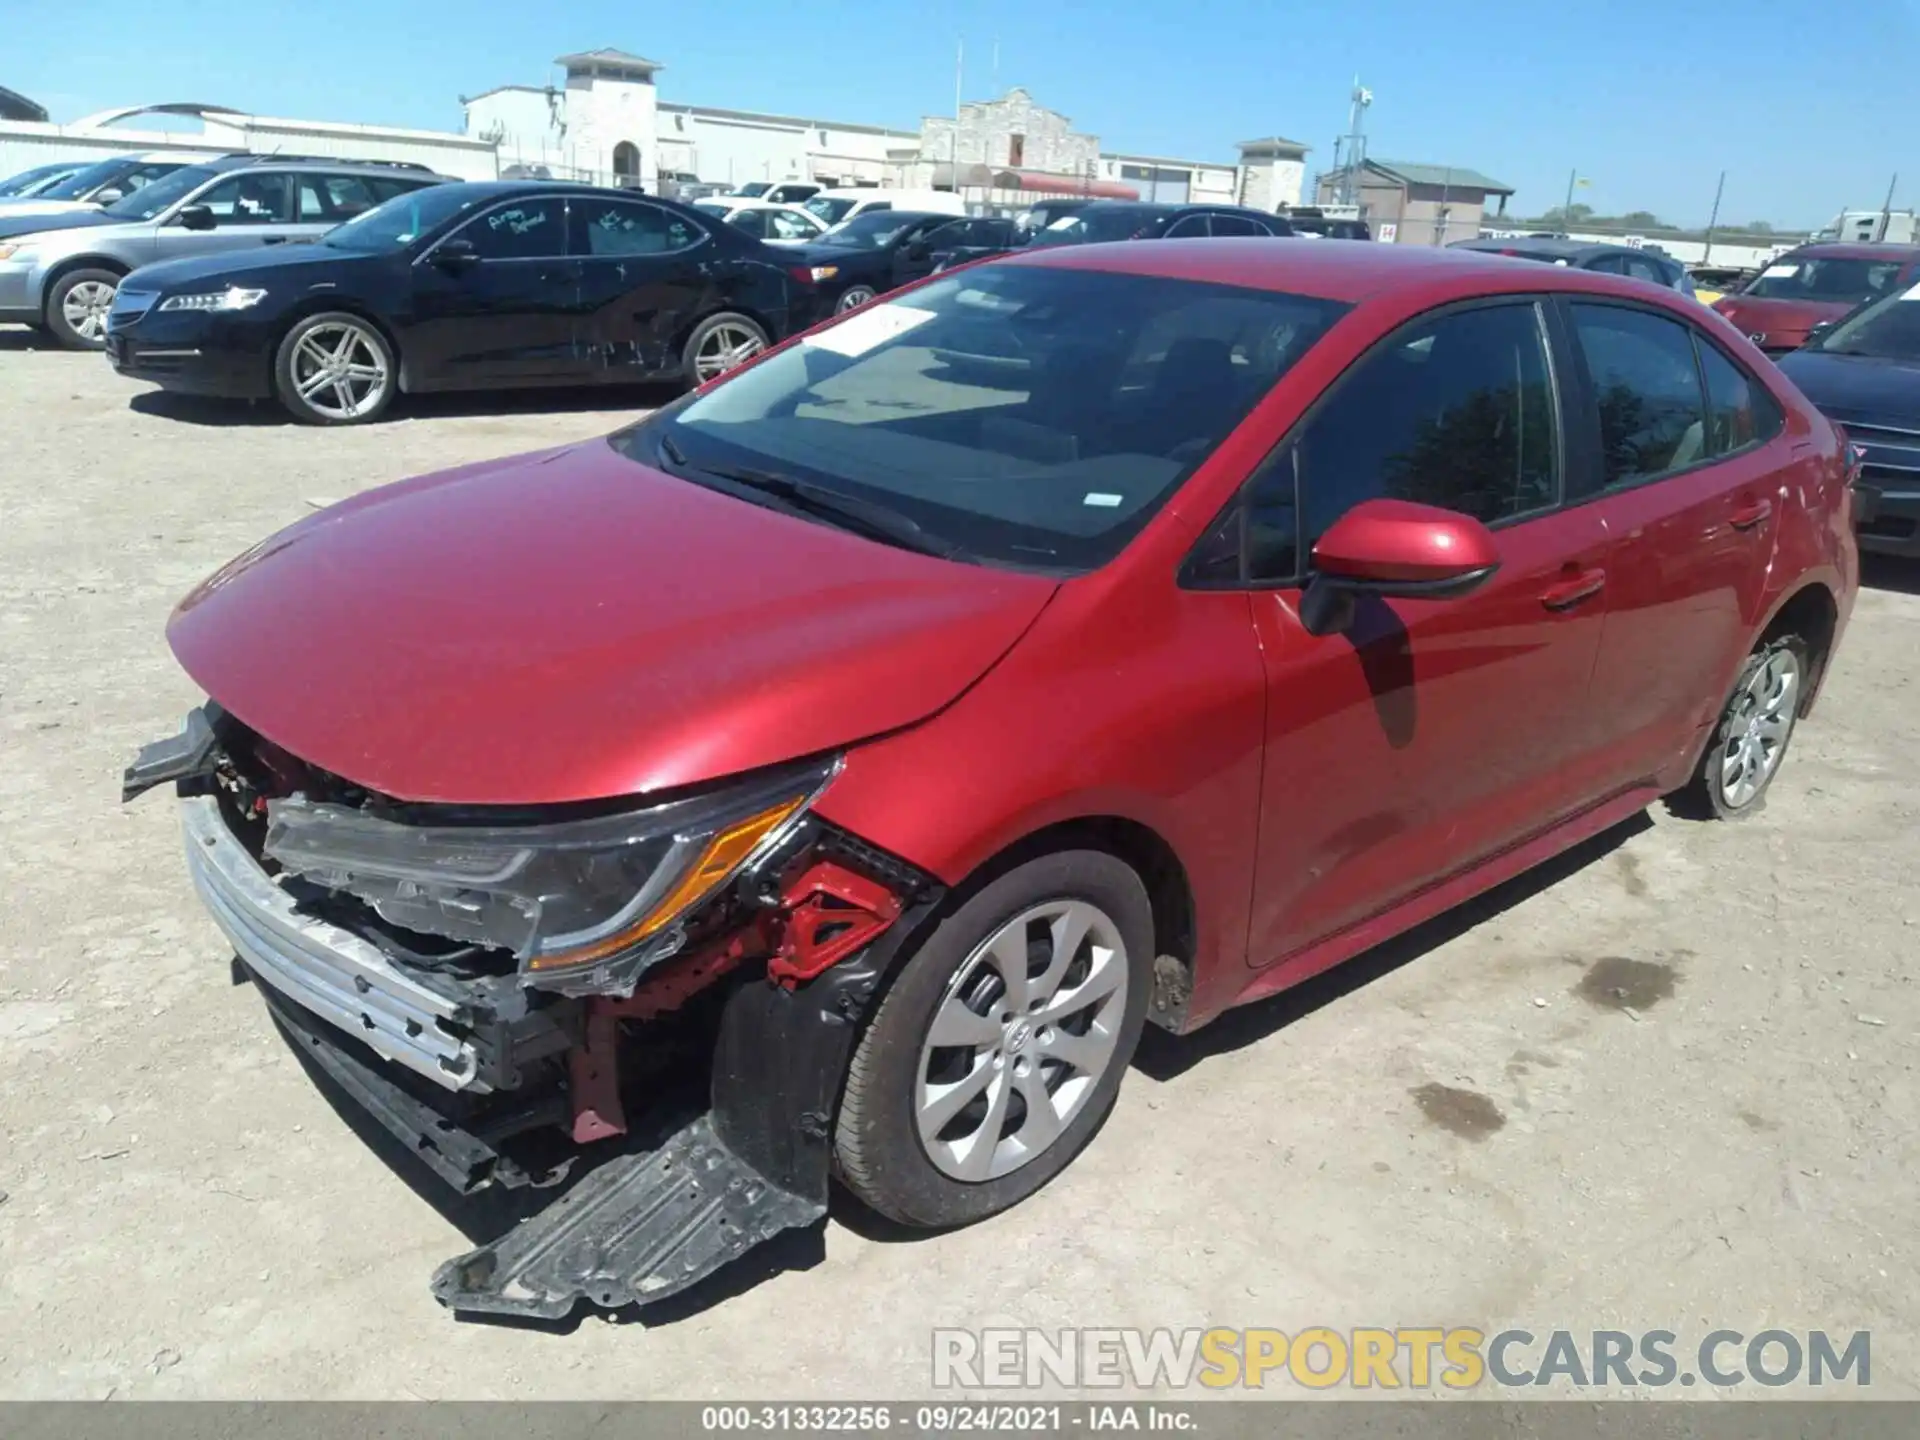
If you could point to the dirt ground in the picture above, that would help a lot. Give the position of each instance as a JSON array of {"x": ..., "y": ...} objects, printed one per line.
[{"x": 1668, "y": 1083}]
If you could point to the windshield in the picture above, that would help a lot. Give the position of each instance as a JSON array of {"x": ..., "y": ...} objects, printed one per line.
[
  {"x": 77, "y": 185},
  {"x": 828, "y": 209},
  {"x": 1887, "y": 329},
  {"x": 31, "y": 182},
  {"x": 874, "y": 230},
  {"x": 1089, "y": 226},
  {"x": 708, "y": 207},
  {"x": 754, "y": 191},
  {"x": 1026, "y": 416},
  {"x": 1828, "y": 278},
  {"x": 403, "y": 219},
  {"x": 148, "y": 201}
]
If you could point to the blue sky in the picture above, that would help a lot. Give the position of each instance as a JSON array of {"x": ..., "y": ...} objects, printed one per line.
[{"x": 1808, "y": 106}]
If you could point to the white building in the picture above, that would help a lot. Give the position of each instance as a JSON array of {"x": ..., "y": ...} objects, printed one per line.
[{"x": 27, "y": 143}]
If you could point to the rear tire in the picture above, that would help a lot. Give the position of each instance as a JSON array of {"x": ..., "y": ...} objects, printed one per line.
[
  {"x": 77, "y": 306},
  {"x": 1750, "y": 740},
  {"x": 944, "y": 1134},
  {"x": 718, "y": 344},
  {"x": 335, "y": 368}
]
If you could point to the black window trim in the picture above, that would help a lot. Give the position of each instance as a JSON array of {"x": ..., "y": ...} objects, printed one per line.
[
  {"x": 1590, "y": 402},
  {"x": 1552, "y": 342}
]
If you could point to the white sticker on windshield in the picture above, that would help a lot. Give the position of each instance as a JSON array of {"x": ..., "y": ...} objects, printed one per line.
[
  {"x": 1101, "y": 498},
  {"x": 1780, "y": 272},
  {"x": 866, "y": 328},
  {"x": 1913, "y": 294},
  {"x": 1064, "y": 221}
]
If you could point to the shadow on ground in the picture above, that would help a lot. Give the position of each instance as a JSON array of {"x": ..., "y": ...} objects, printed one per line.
[{"x": 615, "y": 400}]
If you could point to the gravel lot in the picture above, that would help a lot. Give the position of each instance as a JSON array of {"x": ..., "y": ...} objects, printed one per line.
[{"x": 1668, "y": 1084}]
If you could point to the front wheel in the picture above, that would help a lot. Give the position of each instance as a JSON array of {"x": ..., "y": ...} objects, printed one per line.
[
  {"x": 335, "y": 369},
  {"x": 1750, "y": 740},
  {"x": 1000, "y": 1047},
  {"x": 853, "y": 298},
  {"x": 77, "y": 307}
]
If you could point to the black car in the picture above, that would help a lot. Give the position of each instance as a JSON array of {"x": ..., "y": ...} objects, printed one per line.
[
  {"x": 1103, "y": 220},
  {"x": 1656, "y": 267},
  {"x": 959, "y": 241},
  {"x": 1042, "y": 213},
  {"x": 866, "y": 256},
  {"x": 1863, "y": 372},
  {"x": 458, "y": 287}
]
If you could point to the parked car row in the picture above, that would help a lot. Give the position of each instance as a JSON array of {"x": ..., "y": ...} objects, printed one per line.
[{"x": 1655, "y": 267}]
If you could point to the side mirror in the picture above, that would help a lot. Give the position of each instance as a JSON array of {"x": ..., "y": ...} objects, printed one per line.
[
  {"x": 456, "y": 255},
  {"x": 195, "y": 217},
  {"x": 1821, "y": 331},
  {"x": 109, "y": 195},
  {"x": 1397, "y": 550}
]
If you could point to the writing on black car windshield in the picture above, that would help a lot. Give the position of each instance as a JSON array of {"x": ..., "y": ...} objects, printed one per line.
[
  {"x": 1825, "y": 277},
  {"x": 1889, "y": 330},
  {"x": 1022, "y": 415}
]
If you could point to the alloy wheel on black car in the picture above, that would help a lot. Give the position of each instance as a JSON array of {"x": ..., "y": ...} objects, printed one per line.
[
  {"x": 718, "y": 344},
  {"x": 854, "y": 298},
  {"x": 335, "y": 369}
]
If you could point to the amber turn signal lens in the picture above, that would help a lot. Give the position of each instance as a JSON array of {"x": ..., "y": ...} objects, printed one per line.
[{"x": 723, "y": 855}]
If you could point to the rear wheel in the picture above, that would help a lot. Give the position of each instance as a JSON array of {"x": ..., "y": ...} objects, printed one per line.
[
  {"x": 77, "y": 306},
  {"x": 335, "y": 368},
  {"x": 718, "y": 343},
  {"x": 999, "y": 1048},
  {"x": 1751, "y": 738}
]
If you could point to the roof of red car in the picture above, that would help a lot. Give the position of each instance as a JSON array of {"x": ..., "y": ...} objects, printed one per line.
[
  {"x": 1343, "y": 270},
  {"x": 1859, "y": 250}
]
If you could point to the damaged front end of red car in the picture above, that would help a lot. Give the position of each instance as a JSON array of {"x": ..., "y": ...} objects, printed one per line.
[{"x": 527, "y": 998}]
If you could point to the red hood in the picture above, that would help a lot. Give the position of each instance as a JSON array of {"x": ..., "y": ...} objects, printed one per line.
[
  {"x": 571, "y": 625},
  {"x": 1781, "y": 321}
]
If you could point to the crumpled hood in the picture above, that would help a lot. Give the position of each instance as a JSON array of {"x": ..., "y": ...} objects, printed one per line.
[{"x": 573, "y": 625}]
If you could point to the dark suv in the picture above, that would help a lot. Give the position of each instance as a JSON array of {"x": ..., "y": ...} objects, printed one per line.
[
  {"x": 1135, "y": 220},
  {"x": 63, "y": 279}
]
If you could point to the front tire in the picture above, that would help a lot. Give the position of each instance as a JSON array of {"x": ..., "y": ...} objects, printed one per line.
[
  {"x": 999, "y": 1049},
  {"x": 1750, "y": 741},
  {"x": 335, "y": 368},
  {"x": 719, "y": 343},
  {"x": 77, "y": 306},
  {"x": 853, "y": 297}
]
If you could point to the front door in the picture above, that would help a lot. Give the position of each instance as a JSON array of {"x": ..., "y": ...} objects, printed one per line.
[
  {"x": 509, "y": 313},
  {"x": 1434, "y": 732},
  {"x": 249, "y": 208},
  {"x": 644, "y": 271},
  {"x": 1689, "y": 487}
]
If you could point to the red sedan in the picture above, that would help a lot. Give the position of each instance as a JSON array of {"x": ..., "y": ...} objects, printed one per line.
[
  {"x": 1814, "y": 285},
  {"x": 1105, "y": 635}
]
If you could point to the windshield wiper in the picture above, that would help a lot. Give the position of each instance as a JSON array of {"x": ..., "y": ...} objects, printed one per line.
[{"x": 849, "y": 512}]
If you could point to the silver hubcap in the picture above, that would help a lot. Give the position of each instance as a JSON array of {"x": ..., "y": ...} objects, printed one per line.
[
  {"x": 855, "y": 298},
  {"x": 339, "y": 370},
  {"x": 725, "y": 347},
  {"x": 85, "y": 308},
  {"x": 1027, "y": 1027},
  {"x": 1762, "y": 719}
]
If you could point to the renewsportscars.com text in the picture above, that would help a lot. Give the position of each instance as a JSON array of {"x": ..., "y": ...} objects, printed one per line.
[{"x": 1398, "y": 1357}]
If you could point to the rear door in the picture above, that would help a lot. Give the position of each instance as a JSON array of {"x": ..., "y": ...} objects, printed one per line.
[
  {"x": 645, "y": 273},
  {"x": 1435, "y": 732},
  {"x": 509, "y": 316},
  {"x": 1689, "y": 487}
]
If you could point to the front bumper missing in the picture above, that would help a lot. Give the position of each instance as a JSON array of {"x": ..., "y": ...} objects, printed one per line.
[{"x": 320, "y": 967}]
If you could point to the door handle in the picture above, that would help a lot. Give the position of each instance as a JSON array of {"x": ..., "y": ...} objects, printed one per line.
[
  {"x": 1750, "y": 515},
  {"x": 1569, "y": 593}
]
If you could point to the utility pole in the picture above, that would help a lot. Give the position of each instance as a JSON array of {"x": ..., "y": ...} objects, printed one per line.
[
  {"x": 1714, "y": 218},
  {"x": 1886, "y": 210},
  {"x": 1566, "y": 206},
  {"x": 1440, "y": 224},
  {"x": 953, "y": 155}
]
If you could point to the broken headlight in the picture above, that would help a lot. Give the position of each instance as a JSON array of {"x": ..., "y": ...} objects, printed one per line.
[{"x": 595, "y": 899}]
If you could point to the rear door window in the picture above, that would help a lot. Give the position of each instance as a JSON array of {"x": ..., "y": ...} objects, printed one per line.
[
  {"x": 1740, "y": 412},
  {"x": 1188, "y": 227},
  {"x": 1457, "y": 411},
  {"x": 633, "y": 227},
  {"x": 1234, "y": 225},
  {"x": 1647, "y": 386}
]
